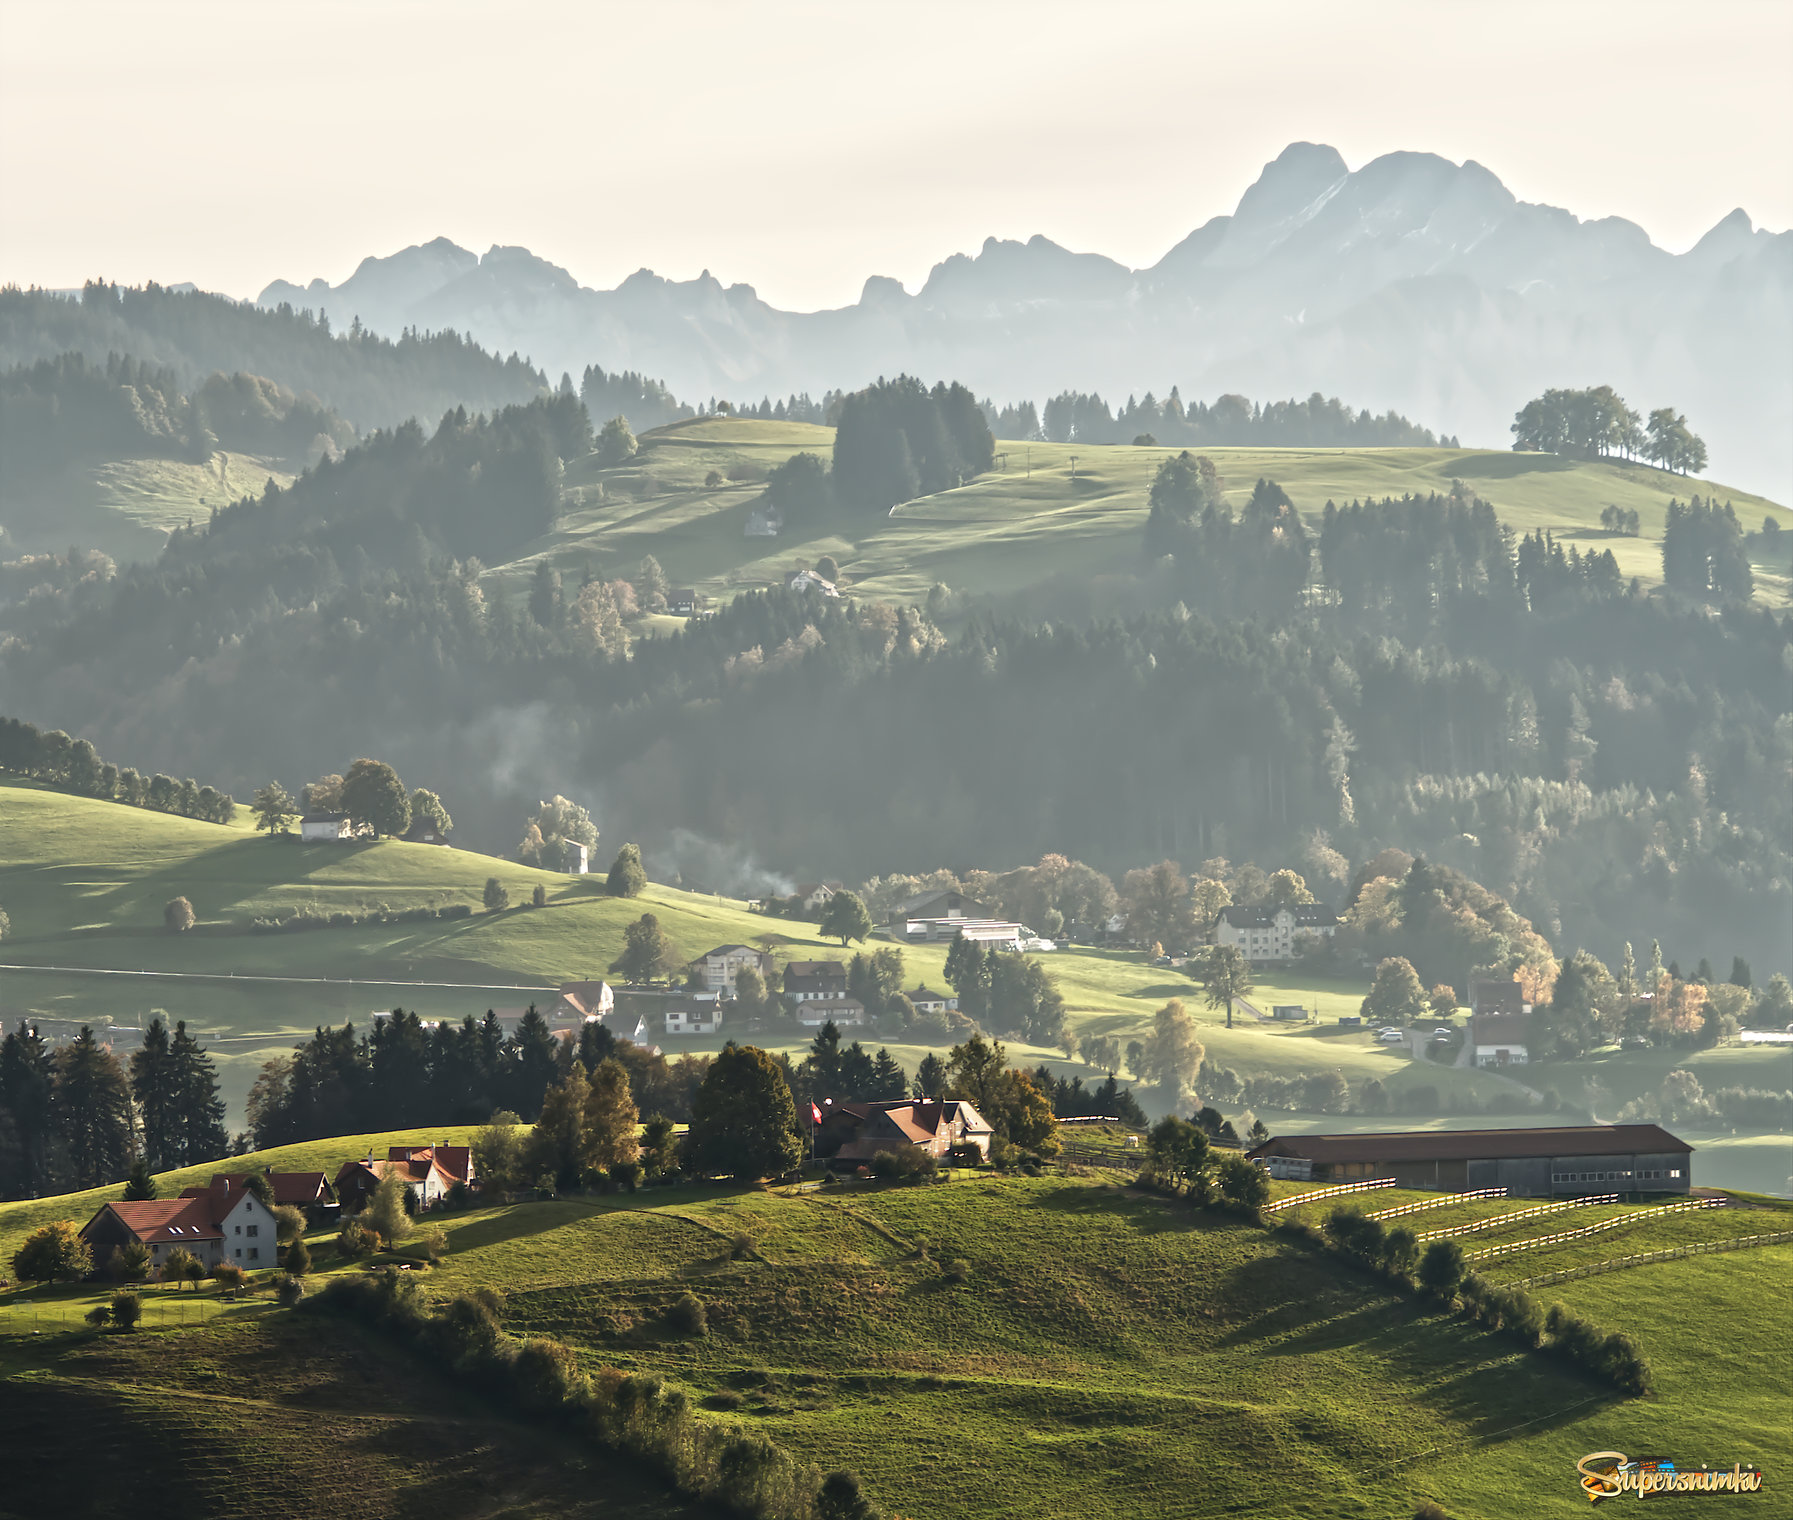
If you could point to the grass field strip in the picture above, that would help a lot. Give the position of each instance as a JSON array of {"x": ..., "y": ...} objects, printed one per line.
[
  {"x": 1649, "y": 1258},
  {"x": 1495, "y": 1221},
  {"x": 1437, "y": 1203},
  {"x": 1331, "y": 1192},
  {"x": 1513, "y": 1247},
  {"x": 308, "y": 981}
]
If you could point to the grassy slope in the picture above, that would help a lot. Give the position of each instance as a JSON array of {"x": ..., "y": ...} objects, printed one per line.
[
  {"x": 264, "y": 1416},
  {"x": 1030, "y": 521},
  {"x": 1120, "y": 1354},
  {"x": 127, "y": 507}
]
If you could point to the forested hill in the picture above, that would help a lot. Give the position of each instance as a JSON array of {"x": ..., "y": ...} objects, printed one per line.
[
  {"x": 1614, "y": 762},
  {"x": 371, "y": 381}
]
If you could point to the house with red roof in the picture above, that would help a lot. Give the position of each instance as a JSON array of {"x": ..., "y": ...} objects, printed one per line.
[
  {"x": 856, "y": 1132},
  {"x": 429, "y": 1171},
  {"x": 222, "y": 1223}
]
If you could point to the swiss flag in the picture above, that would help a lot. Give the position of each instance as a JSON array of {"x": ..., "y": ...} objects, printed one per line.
[{"x": 815, "y": 1114}]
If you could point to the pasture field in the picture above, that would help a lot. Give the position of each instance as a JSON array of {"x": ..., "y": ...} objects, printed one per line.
[
  {"x": 1048, "y": 512},
  {"x": 987, "y": 1346},
  {"x": 261, "y": 1415}
]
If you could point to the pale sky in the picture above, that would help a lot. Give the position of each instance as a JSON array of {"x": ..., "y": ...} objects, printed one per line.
[{"x": 801, "y": 147}]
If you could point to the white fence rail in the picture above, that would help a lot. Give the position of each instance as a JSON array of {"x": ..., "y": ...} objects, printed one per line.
[
  {"x": 1331, "y": 1192},
  {"x": 1512, "y": 1248},
  {"x": 1437, "y": 1203},
  {"x": 1648, "y": 1258},
  {"x": 1495, "y": 1221}
]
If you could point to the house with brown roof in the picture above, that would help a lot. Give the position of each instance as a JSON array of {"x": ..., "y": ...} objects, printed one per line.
[
  {"x": 1533, "y": 1163},
  {"x": 853, "y": 1133},
  {"x": 222, "y": 1223},
  {"x": 926, "y": 1000},
  {"x": 842, "y": 1012},
  {"x": 810, "y": 981},
  {"x": 429, "y": 1171},
  {"x": 1500, "y": 1039},
  {"x": 580, "y": 1001}
]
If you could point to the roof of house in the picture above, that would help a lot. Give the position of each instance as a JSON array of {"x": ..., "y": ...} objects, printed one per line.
[
  {"x": 295, "y": 1188},
  {"x": 198, "y": 1214},
  {"x": 1499, "y": 1029},
  {"x": 926, "y": 994},
  {"x": 731, "y": 950},
  {"x": 455, "y": 1160},
  {"x": 912, "y": 906},
  {"x": 1306, "y": 916},
  {"x": 810, "y": 970},
  {"x": 916, "y": 1120},
  {"x": 324, "y": 818},
  {"x": 1476, "y": 1144}
]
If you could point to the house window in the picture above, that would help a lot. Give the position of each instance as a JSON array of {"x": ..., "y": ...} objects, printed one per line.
[
  {"x": 239, "y": 1229},
  {"x": 239, "y": 1253},
  {"x": 254, "y": 1254},
  {"x": 254, "y": 1229},
  {"x": 1675, "y": 1172}
]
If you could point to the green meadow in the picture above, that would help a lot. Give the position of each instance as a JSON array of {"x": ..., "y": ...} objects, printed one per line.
[
  {"x": 1048, "y": 510},
  {"x": 1007, "y": 1346}
]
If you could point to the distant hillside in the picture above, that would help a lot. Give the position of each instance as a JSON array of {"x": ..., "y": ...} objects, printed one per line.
[
  {"x": 370, "y": 380},
  {"x": 1412, "y": 283}
]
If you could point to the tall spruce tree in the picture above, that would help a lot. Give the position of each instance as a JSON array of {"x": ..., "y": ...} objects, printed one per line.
[
  {"x": 155, "y": 1085},
  {"x": 93, "y": 1110},
  {"x": 200, "y": 1128},
  {"x": 27, "y": 1089}
]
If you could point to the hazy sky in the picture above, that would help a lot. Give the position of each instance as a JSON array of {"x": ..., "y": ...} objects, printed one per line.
[{"x": 801, "y": 147}]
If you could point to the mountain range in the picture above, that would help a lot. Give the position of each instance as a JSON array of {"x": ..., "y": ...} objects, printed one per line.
[{"x": 1412, "y": 283}]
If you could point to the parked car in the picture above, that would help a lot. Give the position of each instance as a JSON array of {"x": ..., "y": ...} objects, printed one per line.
[
  {"x": 1392, "y": 1036},
  {"x": 1441, "y": 1035}
]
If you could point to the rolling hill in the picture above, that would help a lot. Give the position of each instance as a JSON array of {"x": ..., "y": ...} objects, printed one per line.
[
  {"x": 991, "y": 1346},
  {"x": 1052, "y": 514}
]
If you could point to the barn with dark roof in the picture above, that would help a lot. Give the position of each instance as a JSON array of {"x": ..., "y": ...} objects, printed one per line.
[{"x": 1540, "y": 1163}]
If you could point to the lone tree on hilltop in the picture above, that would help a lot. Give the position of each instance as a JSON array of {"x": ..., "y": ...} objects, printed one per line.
[
  {"x": 497, "y": 895},
  {"x": 845, "y": 918},
  {"x": 626, "y": 878},
  {"x": 375, "y": 799},
  {"x": 274, "y": 809},
  {"x": 743, "y": 1120},
  {"x": 615, "y": 442}
]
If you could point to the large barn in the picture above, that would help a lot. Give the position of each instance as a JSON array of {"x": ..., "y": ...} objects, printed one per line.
[{"x": 1541, "y": 1163}]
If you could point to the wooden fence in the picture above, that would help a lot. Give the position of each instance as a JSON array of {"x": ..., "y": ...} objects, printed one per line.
[
  {"x": 1646, "y": 1258},
  {"x": 1437, "y": 1203},
  {"x": 1331, "y": 1192},
  {"x": 1495, "y": 1221},
  {"x": 1513, "y": 1247}
]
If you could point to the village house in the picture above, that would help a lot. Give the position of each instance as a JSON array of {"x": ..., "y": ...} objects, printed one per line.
[
  {"x": 422, "y": 831},
  {"x": 813, "y": 981},
  {"x": 580, "y": 1001},
  {"x": 682, "y": 602},
  {"x": 1500, "y": 1039},
  {"x": 694, "y": 1013},
  {"x": 926, "y": 1000},
  {"x": 428, "y": 1171},
  {"x": 326, "y": 826},
  {"x": 721, "y": 964},
  {"x": 1501, "y": 995},
  {"x": 1273, "y": 934},
  {"x": 808, "y": 580},
  {"x": 843, "y": 1012},
  {"x": 812, "y": 897},
  {"x": 764, "y": 522},
  {"x": 575, "y": 858},
  {"x": 222, "y": 1223},
  {"x": 853, "y": 1133}
]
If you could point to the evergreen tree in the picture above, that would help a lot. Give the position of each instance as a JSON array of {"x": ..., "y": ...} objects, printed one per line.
[
  {"x": 155, "y": 1085},
  {"x": 93, "y": 1110},
  {"x": 27, "y": 1094},
  {"x": 199, "y": 1131},
  {"x": 626, "y": 878},
  {"x": 536, "y": 1050}
]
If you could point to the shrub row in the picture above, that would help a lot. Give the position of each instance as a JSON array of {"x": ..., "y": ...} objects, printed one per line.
[
  {"x": 637, "y": 1416},
  {"x": 310, "y": 917},
  {"x": 1394, "y": 1255}
]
